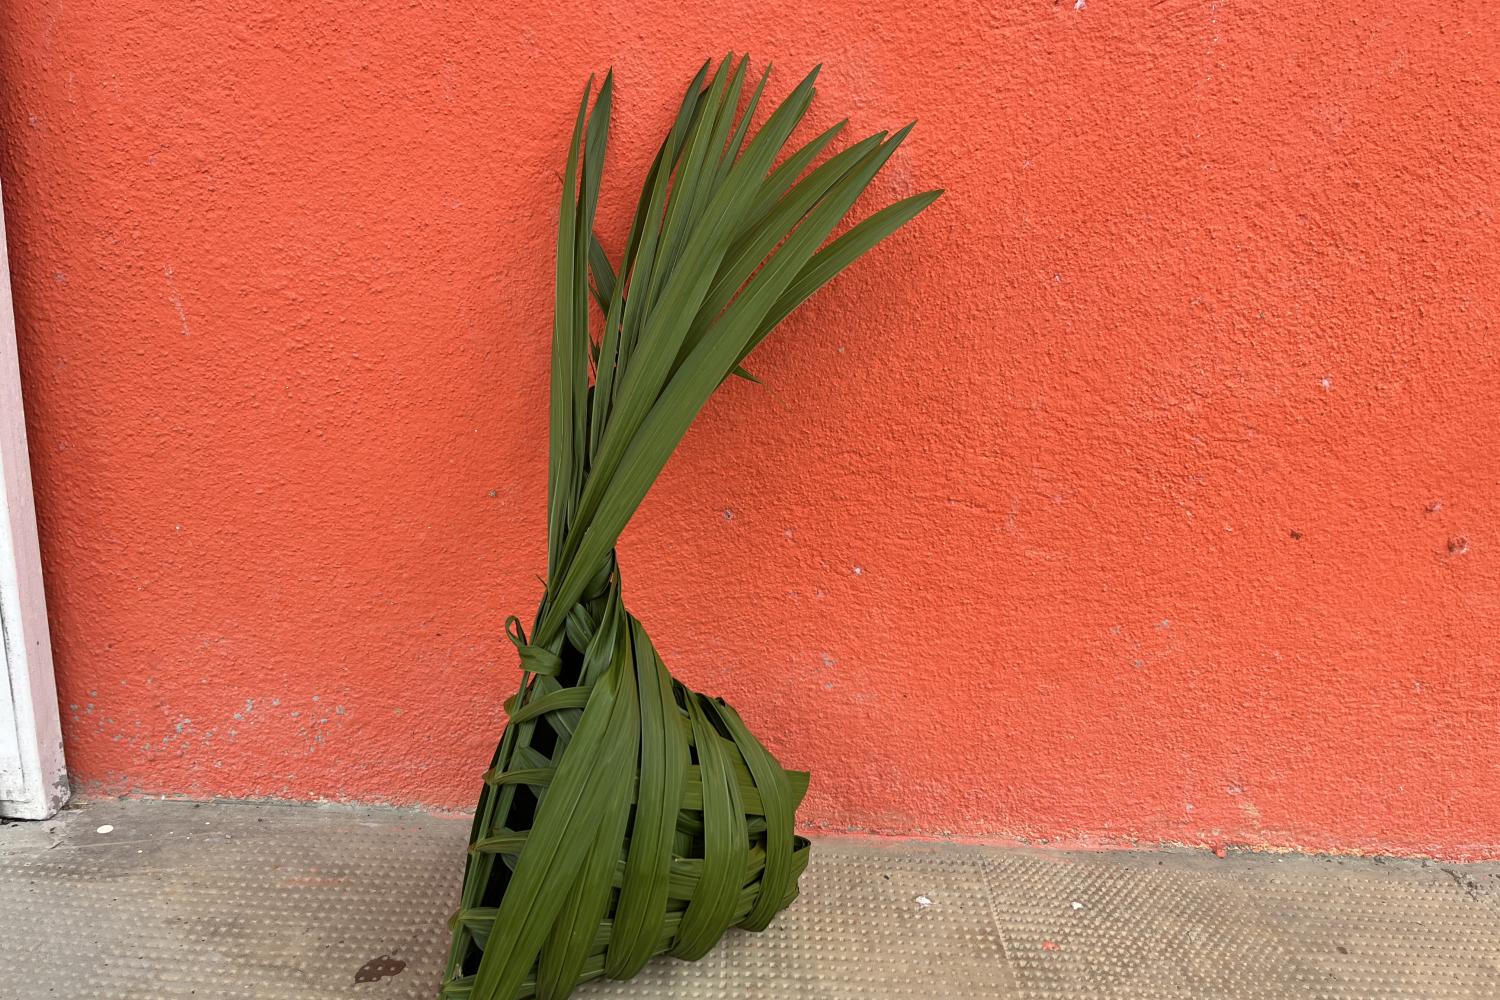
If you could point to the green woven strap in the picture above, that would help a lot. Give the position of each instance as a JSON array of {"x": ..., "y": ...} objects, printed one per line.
[
  {"x": 534, "y": 659},
  {"x": 629, "y": 817}
]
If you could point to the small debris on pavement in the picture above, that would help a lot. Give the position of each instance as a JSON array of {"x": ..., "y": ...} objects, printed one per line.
[{"x": 378, "y": 968}]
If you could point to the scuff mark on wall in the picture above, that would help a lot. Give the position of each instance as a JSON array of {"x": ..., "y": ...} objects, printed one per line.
[{"x": 176, "y": 298}]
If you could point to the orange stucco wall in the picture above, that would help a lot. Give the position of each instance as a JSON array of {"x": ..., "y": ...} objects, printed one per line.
[{"x": 1144, "y": 489}]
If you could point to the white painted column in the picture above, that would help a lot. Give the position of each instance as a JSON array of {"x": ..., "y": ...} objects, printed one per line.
[{"x": 33, "y": 782}]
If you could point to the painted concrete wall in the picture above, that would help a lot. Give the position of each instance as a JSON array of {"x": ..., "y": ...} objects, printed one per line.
[{"x": 1146, "y": 489}]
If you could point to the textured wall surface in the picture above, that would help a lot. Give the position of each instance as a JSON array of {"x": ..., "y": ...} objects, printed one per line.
[{"x": 1146, "y": 488}]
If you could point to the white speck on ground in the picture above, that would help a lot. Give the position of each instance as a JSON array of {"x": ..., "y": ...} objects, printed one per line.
[
  {"x": 106, "y": 828},
  {"x": 923, "y": 902}
]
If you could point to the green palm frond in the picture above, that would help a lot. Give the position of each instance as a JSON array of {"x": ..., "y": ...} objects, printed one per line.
[{"x": 625, "y": 815}]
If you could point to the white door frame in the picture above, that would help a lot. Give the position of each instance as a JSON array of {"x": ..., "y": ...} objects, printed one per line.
[{"x": 33, "y": 782}]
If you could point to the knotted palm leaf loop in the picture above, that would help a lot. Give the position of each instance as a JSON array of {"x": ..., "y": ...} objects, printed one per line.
[{"x": 625, "y": 815}]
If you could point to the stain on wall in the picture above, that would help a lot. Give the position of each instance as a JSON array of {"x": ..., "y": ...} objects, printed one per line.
[{"x": 1144, "y": 489}]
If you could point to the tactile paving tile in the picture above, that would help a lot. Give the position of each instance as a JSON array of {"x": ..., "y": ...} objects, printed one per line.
[
  {"x": 225, "y": 900},
  {"x": 873, "y": 921},
  {"x": 274, "y": 902},
  {"x": 289, "y": 903},
  {"x": 1188, "y": 926},
  {"x": 1354, "y": 930}
]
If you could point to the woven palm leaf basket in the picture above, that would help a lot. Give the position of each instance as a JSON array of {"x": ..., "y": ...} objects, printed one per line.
[{"x": 625, "y": 815}]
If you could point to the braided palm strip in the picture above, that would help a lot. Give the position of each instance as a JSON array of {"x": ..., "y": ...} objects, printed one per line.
[{"x": 698, "y": 836}]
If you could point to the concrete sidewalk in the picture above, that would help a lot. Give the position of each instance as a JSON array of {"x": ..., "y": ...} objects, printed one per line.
[{"x": 145, "y": 900}]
